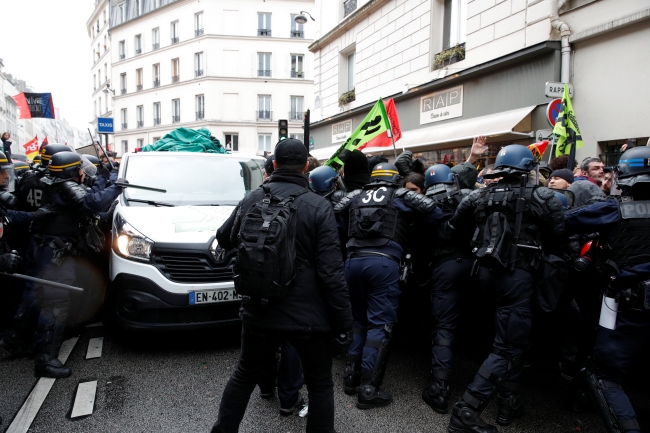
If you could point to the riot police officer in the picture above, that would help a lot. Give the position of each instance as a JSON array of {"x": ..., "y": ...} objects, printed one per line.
[
  {"x": 452, "y": 262},
  {"x": 323, "y": 181},
  {"x": 30, "y": 189},
  {"x": 510, "y": 219},
  {"x": 377, "y": 223},
  {"x": 624, "y": 225}
]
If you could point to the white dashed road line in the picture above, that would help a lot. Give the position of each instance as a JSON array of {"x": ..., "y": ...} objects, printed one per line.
[
  {"x": 84, "y": 401},
  {"x": 95, "y": 348},
  {"x": 32, "y": 405}
]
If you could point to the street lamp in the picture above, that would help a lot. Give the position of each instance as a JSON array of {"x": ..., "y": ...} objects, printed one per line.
[
  {"x": 108, "y": 87},
  {"x": 301, "y": 19}
]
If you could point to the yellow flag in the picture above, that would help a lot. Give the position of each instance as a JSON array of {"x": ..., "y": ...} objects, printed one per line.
[{"x": 566, "y": 127}]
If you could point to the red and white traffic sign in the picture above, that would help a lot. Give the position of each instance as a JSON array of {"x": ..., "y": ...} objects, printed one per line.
[{"x": 553, "y": 110}]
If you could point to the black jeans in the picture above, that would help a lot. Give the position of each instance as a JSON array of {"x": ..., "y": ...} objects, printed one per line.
[{"x": 256, "y": 344}]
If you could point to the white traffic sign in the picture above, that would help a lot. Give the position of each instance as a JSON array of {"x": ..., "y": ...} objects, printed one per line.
[{"x": 556, "y": 90}]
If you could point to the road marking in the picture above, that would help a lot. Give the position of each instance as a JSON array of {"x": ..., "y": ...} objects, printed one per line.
[
  {"x": 32, "y": 405},
  {"x": 95, "y": 325},
  {"x": 95, "y": 348},
  {"x": 84, "y": 401}
]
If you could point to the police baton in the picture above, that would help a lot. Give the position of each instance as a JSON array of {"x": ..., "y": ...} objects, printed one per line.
[
  {"x": 99, "y": 143},
  {"x": 43, "y": 282}
]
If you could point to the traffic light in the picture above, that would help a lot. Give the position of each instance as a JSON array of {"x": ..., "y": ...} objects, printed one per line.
[{"x": 283, "y": 129}]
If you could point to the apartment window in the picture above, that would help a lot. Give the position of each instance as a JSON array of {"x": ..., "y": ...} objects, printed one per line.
[
  {"x": 349, "y": 6},
  {"x": 156, "y": 113},
  {"x": 95, "y": 105},
  {"x": 174, "y": 32},
  {"x": 200, "y": 107},
  {"x": 155, "y": 139},
  {"x": 105, "y": 43},
  {"x": 140, "y": 143},
  {"x": 105, "y": 71},
  {"x": 122, "y": 49},
  {"x": 300, "y": 137},
  {"x": 297, "y": 30},
  {"x": 99, "y": 75},
  {"x": 296, "y": 104},
  {"x": 198, "y": 64},
  {"x": 296, "y": 66},
  {"x": 155, "y": 38},
  {"x": 122, "y": 13},
  {"x": 138, "y": 79},
  {"x": 264, "y": 107},
  {"x": 454, "y": 23},
  {"x": 125, "y": 146},
  {"x": 351, "y": 57},
  {"x": 94, "y": 81},
  {"x": 104, "y": 16},
  {"x": 232, "y": 142},
  {"x": 100, "y": 105},
  {"x": 106, "y": 104},
  {"x": 263, "y": 142},
  {"x": 139, "y": 114},
  {"x": 156, "y": 74},
  {"x": 176, "y": 110},
  {"x": 138, "y": 9},
  {"x": 124, "y": 118},
  {"x": 198, "y": 24},
  {"x": 263, "y": 24},
  {"x": 263, "y": 64},
  {"x": 175, "y": 71},
  {"x": 156, "y": 3},
  {"x": 138, "y": 44},
  {"x": 123, "y": 83}
]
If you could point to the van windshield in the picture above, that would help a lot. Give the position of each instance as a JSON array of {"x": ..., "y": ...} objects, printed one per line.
[{"x": 191, "y": 179}]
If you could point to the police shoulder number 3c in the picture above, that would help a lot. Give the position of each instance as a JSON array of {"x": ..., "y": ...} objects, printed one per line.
[{"x": 374, "y": 195}]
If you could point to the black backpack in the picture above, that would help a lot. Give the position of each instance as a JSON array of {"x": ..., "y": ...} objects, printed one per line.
[{"x": 266, "y": 254}]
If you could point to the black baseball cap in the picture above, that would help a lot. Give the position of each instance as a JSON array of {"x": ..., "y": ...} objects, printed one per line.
[
  {"x": 268, "y": 165},
  {"x": 290, "y": 152}
]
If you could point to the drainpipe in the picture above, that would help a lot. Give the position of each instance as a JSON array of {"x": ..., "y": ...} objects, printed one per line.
[{"x": 565, "y": 32}]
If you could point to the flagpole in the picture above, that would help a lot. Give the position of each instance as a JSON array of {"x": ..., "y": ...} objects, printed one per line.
[{"x": 390, "y": 133}]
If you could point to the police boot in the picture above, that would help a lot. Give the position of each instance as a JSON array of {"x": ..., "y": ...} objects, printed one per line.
[
  {"x": 510, "y": 407},
  {"x": 352, "y": 377},
  {"x": 579, "y": 400},
  {"x": 436, "y": 394},
  {"x": 46, "y": 363},
  {"x": 370, "y": 396},
  {"x": 466, "y": 417}
]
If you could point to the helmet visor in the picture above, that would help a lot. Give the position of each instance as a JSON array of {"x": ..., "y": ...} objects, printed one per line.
[
  {"x": 7, "y": 178},
  {"x": 88, "y": 167}
]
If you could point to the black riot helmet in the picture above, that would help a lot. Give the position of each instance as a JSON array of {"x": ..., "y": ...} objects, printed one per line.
[
  {"x": 37, "y": 159},
  {"x": 93, "y": 159},
  {"x": 65, "y": 165},
  {"x": 4, "y": 162},
  {"x": 20, "y": 168},
  {"x": 52, "y": 149},
  {"x": 386, "y": 172},
  {"x": 634, "y": 168}
]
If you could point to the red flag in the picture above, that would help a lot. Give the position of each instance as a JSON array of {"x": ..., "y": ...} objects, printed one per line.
[
  {"x": 538, "y": 149},
  {"x": 383, "y": 140},
  {"x": 43, "y": 144},
  {"x": 31, "y": 148}
]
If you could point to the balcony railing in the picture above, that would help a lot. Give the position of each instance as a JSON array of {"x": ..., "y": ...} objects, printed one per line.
[
  {"x": 263, "y": 32},
  {"x": 139, "y": 87},
  {"x": 123, "y": 126},
  {"x": 122, "y": 56},
  {"x": 200, "y": 115},
  {"x": 198, "y": 73},
  {"x": 140, "y": 123},
  {"x": 264, "y": 115},
  {"x": 155, "y": 46},
  {"x": 123, "y": 91},
  {"x": 297, "y": 33},
  {"x": 296, "y": 115},
  {"x": 198, "y": 32},
  {"x": 156, "y": 82},
  {"x": 176, "y": 118},
  {"x": 138, "y": 51},
  {"x": 349, "y": 6},
  {"x": 263, "y": 72},
  {"x": 297, "y": 74},
  {"x": 175, "y": 40},
  {"x": 174, "y": 78},
  {"x": 156, "y": 121}
]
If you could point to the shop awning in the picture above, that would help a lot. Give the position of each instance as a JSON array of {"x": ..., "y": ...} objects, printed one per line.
[{"x": 507, "y": 125}]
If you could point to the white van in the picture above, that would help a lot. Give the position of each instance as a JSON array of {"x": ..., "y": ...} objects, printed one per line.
[{"x": 167, "y": 270}]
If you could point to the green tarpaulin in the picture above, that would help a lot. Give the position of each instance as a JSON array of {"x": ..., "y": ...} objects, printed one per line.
[{"x": 186, "y": 140}]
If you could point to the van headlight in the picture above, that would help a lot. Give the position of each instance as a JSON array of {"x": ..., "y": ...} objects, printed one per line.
[{"x": 129, "y": 242}]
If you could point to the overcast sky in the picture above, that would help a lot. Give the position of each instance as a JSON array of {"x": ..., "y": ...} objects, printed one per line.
[{"x": 45, "y": 43}]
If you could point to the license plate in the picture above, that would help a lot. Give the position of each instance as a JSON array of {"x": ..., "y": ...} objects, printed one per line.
[{"x": 211, "y": 296}]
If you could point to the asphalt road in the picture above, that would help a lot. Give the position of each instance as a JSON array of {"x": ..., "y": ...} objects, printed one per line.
[{"x": 173, "y": 383}]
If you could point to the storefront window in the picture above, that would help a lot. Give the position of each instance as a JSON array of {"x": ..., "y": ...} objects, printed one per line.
[
  {"x": 613, "y": 149},
  {"x": 458, "y": 155}
]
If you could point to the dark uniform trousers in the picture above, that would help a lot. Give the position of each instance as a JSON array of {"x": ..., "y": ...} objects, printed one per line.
[
  {"x": 287, "y": 376},
  {"x": 615, "y": 351},
  {"x": 449, "y": 279},
  {"x": 513, "y": 320},
  {"x": 373, "y": 282}
]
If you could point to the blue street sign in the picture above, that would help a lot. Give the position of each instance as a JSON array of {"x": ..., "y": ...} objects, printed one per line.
[{"x": 105, "y": 125}]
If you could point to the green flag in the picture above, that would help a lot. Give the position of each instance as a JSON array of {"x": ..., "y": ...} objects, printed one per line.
[
  {"x": 566, "y": 127},
  {"x": 375, "y": 123}
]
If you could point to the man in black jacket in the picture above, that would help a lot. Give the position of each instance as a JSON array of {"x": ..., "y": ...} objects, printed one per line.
[{"x": 315, "y": 307}]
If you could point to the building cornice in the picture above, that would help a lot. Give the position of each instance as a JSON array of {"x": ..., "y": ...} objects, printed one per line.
[
  {"x": 349, "y": 21},
  {"x": 108, "y": 50},
  {"x": 177, "y": 3},
  {"x": 96, "y": 11}
]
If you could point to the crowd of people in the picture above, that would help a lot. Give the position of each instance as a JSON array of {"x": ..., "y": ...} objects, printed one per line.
[{"x": 542, "y": 240}]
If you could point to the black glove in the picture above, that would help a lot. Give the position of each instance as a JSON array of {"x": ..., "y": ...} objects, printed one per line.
[
  {"x": 103, "y": 172},
  {"x": 404, "y": 163},
  {"x": 9, "y": 262},
  {"x": 418, "y": 166},
  {"x": 8, "y": 200},
  {"x": 341, "y": 342},
  {"x": 43, "y": 212}
]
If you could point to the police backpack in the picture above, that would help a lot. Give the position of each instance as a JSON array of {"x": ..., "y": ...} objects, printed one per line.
[{"x": 266, "y": 254}]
